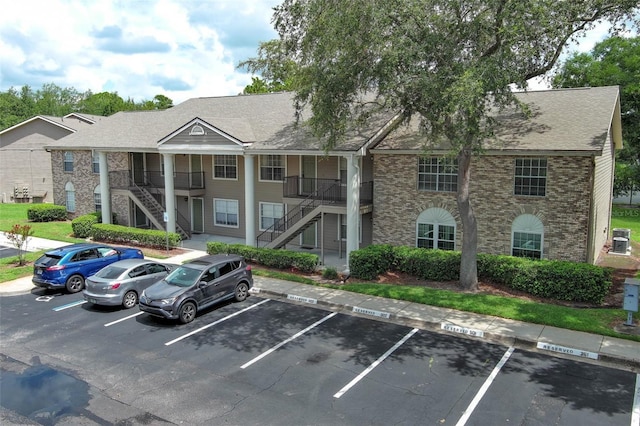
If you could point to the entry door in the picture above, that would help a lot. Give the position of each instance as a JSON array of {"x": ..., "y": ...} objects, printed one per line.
[
  {"x": 196, "y": 171},
  {"x": 197, "y": 213},
  {"x": 308, "y": 236},
  {"x": 137, "y": 167}
]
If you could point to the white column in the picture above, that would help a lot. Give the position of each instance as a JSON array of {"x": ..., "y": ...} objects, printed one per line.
[
  {"x": 169, "y": 192},
  {"x": 105, "y": 194},
  {"x": 353, "y": 204},
  {"x": 249, "y": 201}
]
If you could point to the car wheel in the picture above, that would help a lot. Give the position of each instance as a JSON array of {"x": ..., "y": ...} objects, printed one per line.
[
  {"x": 187, "y": 312},
  {"x": 75, "y": 283},
  {"x": 242, "y": 291},
  {"x": 130, "y": 299}
]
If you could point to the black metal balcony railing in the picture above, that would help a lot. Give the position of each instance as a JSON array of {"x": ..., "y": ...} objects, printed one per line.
[
  {"x": 330, "y": 189},
  {"x": 181, "y": 180}
]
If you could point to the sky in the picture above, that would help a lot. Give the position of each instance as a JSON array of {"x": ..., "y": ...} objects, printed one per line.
[{"x": 141, "y": 48}]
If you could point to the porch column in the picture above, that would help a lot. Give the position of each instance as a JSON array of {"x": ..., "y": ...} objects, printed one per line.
[
  {"x": 169, "y": 192},
  {"x": 105, "y": 194},
  {"x": 353, "y": 204},
  {"x": 249, "y": 201}
]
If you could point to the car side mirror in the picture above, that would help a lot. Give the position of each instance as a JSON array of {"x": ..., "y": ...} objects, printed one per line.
[{"x": 202, "y": 284}]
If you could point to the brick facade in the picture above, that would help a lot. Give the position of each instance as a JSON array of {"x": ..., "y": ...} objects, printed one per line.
[{"x": 564, "y": 211}]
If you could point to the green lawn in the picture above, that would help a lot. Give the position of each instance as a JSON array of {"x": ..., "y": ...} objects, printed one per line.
[{"x": 596, "y": 321}]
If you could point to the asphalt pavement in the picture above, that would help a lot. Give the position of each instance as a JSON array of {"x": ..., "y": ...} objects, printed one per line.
[{"x": 545, "y": 339}]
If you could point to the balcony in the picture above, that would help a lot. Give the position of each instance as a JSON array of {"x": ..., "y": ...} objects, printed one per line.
[
  {"x": 329, "y": 190},
  {"x": 184, "y": 183}
]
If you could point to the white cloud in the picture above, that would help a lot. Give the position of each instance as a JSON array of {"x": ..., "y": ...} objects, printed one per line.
[{"x": 141, "y": 48}]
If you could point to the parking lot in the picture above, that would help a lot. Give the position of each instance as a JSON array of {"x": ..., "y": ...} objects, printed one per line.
[{"x": 266, "y": 361}]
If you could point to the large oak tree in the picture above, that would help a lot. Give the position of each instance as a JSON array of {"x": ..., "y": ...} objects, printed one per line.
[{"x": 447, "y": 62}]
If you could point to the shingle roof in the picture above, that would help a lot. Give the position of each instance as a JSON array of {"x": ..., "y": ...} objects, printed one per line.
[
  {"x": 568, "y": 120},
  {"x": 575, "y": 120}
]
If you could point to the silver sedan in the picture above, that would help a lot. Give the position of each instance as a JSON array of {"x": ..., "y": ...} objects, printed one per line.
[{"x": 122, "y": 282}]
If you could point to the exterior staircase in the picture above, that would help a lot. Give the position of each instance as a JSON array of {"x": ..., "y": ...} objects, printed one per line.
[{"x": 154, "y": 210}]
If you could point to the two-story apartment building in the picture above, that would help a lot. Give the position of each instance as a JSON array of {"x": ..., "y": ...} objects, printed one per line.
[{"x": 240, "y": 167}]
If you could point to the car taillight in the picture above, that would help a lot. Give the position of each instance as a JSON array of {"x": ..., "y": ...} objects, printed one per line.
[
  {"x": 55, "y": 268},
  {"x": 248, "y": 268},
  {"x": 113, "y": 286}
]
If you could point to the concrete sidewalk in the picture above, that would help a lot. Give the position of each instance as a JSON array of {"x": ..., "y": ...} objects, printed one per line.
[{"x": 550, "y": 340}]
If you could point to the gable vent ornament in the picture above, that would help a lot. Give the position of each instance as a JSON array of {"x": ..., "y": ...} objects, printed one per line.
[{"x": 196, "y": 131}]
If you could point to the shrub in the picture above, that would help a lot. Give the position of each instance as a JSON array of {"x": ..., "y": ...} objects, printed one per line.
[
  {"x": 82, "y": 225},
  {"x": 371, "y": 261},
  {"x": 330, "y": 273},
  {"x": 144, "y": 237},
  {"x": 46, "y": 213},
  {"x": 426, "y": 264},
  {"x": 271, "y": 258}
]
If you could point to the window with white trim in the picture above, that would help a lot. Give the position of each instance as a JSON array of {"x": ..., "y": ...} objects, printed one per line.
[
  {"x": 527, "y": 232},
  {"x": 68, "y": 161},
  {"x": 95, "y": 162},
  {"x": 269, "y": 214},
  {"x": 97, "y": 198},
  {"x": 438, "y": 174},
  {"x": 225, "y": 212},
  {"x": 272, "y": 168},
  {"x": 530, "y": 177},
  {"x": 436, "y": 228},
  {"x": 225, "y": 167},
  {"x": 70, "y": 194}
]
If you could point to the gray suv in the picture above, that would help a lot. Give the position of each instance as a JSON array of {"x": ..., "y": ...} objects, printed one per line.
[{"x": 197, "y": 285}]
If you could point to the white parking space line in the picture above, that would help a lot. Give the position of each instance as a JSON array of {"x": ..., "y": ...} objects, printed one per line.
[
  {"x": 467, "y": 413},
  {"x": 375, "y": 364},
  {"x": 123, "y": 319},
  {"x": 70, "y": 305},
  {"x": 215, "y": 322},
  {"x": 284, "y": 342},
  {"x": 635, "y": 413}
]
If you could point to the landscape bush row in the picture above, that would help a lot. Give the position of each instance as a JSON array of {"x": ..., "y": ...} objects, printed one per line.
[
  {"x": 89, "y": 226},
  {"x": 560, "y": 280},
  {"x": 271, "y": 258}
]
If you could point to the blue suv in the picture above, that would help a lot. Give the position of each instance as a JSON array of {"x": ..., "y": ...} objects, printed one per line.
[{"x": 70, "y": 265}]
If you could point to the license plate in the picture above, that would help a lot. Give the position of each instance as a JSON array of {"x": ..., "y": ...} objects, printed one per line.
[
  {"x": 92, "y": 300},
  {"x": 38, "y": 271}
]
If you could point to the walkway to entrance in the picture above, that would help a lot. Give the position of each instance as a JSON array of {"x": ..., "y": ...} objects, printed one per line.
[{"x": 328, "y": 258}]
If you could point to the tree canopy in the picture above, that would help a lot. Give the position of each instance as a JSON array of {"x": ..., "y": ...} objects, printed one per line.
[
  {"x": 19, "y": 105},
  {"x": 444, "y": 62}
]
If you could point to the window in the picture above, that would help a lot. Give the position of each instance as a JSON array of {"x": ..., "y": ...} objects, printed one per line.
[
  {"x": 342, "y": 172},
  {"x": 527, "y": 235},
  {"x": 436, "y": 228},
  {"x": 226, "y": 212},
  {"x": 70, "y": 193},
  {"x": 225, "y": 167},
  {"x": 342, "y": 228},
  {"x": 68, "y": 161},
  {"x": 97, "y": 199},
  {"x": 272, "y": 167},
  {"x": 531, "y": 177},
  {"x": 95, "y": 162},
  {"x": 269, "y": 213},
  {"x": 438, "y": 174}
]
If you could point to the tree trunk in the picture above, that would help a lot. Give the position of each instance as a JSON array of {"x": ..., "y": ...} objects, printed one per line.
[{"x": 468, "y": 261}]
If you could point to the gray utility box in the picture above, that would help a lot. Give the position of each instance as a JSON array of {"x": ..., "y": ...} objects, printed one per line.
[
  {"x": 630, "y": 302},
  {"x": 622, "y": 232}
]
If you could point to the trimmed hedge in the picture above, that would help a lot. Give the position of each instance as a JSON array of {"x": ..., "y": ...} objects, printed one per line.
[
  {"x": 82, "y": 225},
  {"x": 271, "y": 258},
  {"x": 46, "y": 213},
  {"x": 125, "y": 234},
  {"x": 553, "y": 279}
]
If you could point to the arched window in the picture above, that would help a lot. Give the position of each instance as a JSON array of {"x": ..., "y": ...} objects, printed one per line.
[
  {"x": 436, "y": 228},
  {"x": 97, "y": 200},
  {"x": 70, "y": 192},
  {"x": 527, "y": 232}
]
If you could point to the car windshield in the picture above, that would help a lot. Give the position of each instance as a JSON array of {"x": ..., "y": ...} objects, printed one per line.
[
  {"x": 110, "y": 272},
  {"x": 183, "y": 276}
]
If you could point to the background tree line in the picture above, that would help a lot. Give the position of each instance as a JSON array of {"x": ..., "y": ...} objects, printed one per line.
[{"x": 17, "y": 105}]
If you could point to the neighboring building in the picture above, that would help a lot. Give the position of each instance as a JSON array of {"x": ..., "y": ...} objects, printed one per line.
[
  {"x": 240, "y": 167},
  {"x": 25, "y": 166}
]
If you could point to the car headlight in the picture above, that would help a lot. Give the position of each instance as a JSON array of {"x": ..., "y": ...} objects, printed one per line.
[{"x": 168, "y": 301}]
